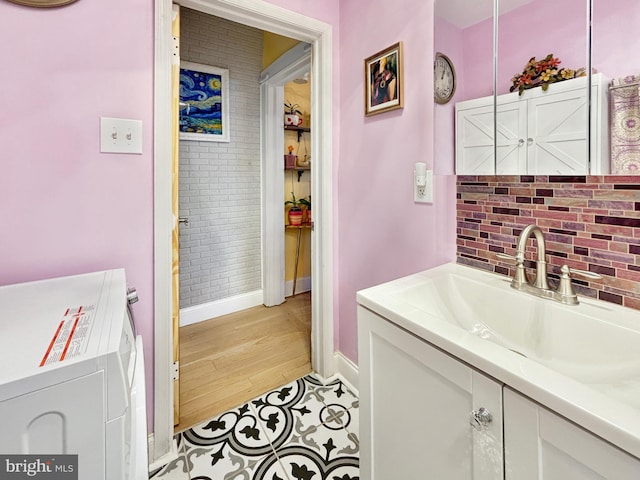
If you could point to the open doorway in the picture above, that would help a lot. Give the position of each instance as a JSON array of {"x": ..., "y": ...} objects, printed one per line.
[
  {"x": 284, "y": 22},
  {"x": 297, "y": 185},
  {"x": 231, "y": 350}
]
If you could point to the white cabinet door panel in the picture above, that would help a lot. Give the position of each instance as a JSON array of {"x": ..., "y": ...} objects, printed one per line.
[
  {"x": 541, "y": 445},
  {"x": 415, "y": 403},
  {"x": 474, "y": 141},
  {"x": 511, "y": 141},
  {"x": 557, "y": 127}
]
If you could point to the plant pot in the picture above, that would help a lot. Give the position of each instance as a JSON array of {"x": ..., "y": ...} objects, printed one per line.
[
  {"x": 295, "y": 216},
  {"x": 308, "y": 215},
  {"x": 292, "y": 120},
  {"x": 290, "y": 161}
]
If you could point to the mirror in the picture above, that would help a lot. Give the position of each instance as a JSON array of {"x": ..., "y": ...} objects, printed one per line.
[
  {"x": 463, "y": 30},
  {"x": 542, "y": 51},
  {"x": 614, "y": 54},
  {"x": 524, "y": 29}
]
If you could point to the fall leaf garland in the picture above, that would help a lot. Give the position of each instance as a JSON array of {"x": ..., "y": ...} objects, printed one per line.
[{"x": 542, "y": 73}]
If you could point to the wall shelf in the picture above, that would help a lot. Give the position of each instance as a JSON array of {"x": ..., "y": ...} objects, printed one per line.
[
  {"x": 299, "y": 170},
  {"x": 300, "y": 130}
]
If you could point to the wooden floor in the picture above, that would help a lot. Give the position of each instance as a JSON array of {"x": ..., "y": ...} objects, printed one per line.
[{"x": 229, "y": 360}]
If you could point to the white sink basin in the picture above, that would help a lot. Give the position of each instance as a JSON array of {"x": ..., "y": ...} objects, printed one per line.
[
  {"x": 593, "y": 342},
  {"x": 583, "y": 361}
]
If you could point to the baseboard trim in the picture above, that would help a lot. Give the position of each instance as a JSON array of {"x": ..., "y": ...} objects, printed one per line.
[
  {"x": 302, "y": 285},
  {"x": 347, "y": 370},
  {"x": 206, "y": 311},
  {"x": 155, "y": 463}
]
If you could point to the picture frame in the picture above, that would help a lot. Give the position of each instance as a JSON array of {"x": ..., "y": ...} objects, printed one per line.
[
  {"x": 42, "y": 3},
  {"x": 383, "y": 74},
  {"x": 204, "y": 103}
]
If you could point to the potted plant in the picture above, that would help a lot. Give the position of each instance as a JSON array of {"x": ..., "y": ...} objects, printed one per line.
[
  {"x": 307, "y": 203},
  {"x": 295, "y": 212},
  {"x": 290, "y": 160},
  {"x": 292, "y": 116}
]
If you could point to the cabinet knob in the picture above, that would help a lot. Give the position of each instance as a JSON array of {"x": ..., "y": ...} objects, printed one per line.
[
  {"x": 529, "y": 141},
  {"x": 480, "y": 419},
  {"x": 521, "y": 142}
]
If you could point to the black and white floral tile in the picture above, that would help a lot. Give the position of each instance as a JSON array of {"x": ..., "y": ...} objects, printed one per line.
[{"x": 305, "y": 430}]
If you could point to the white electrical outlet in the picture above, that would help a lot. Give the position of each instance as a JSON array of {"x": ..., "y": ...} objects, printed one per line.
[
  {"x": 423, "y": 194},
  {"x": 120, "y": 135}
]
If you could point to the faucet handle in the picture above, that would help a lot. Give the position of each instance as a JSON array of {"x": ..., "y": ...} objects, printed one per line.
[
  {"x": 566, "y": 270},
  {"x": 565, "y": 287},
  {"x": 504, "y": 256},
  {"x": 517, "y": 259}
]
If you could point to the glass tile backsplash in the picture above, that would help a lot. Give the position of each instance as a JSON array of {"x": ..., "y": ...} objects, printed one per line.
[{"x": 590, "y": 223}]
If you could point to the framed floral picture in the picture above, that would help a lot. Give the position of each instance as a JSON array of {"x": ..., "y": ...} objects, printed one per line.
[
  {"x": 204, "y": 103},
  {"x": 383, "y": 80}
]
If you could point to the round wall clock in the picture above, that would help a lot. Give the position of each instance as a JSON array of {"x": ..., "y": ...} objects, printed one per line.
[
  {"x": 43, "y": 3},
  {"x": 444, "y": 79}
]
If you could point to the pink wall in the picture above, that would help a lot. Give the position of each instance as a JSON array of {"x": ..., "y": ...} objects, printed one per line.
[
  {"x": 66, "y": 208},
  {"x": 326, "y": 11},
  {"x": 382, "y": 234}
]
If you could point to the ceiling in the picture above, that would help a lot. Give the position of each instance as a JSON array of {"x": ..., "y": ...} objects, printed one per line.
[{"x": 464, "y": 13}]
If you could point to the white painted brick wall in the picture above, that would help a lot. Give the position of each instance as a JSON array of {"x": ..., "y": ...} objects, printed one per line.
[{"x": 220, "y": 182}]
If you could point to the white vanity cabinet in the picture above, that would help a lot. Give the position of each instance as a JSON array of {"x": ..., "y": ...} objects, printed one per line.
[
  {"x": 415, "y": 406},
  {"x": 539, "y": 132},
  {"x": 540, "y": 445}
]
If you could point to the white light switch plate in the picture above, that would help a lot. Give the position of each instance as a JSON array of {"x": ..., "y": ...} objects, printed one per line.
[{"x": 120, "y": 135}]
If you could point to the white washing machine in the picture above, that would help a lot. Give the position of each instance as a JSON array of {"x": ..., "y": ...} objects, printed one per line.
[{"x": 72, "y": 374}]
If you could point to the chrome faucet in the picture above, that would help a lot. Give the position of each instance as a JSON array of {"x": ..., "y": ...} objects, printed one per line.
[
  {"x": 520, "y": 277},
  {"x": 540, "y": 286}
]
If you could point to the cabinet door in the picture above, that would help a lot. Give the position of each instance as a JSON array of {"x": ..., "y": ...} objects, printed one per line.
[
  {"x": 557, "y": 141},
  {"x": 511, "y": 138},
  {"x": 541, "y": 445},
  {"x": 474, "y": 140},
  {"x": 415, "y": 403}
]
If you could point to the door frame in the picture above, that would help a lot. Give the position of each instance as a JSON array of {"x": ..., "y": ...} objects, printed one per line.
[
  {"x": 264, "y": 16},
  {"x": 292, "y": 64}
]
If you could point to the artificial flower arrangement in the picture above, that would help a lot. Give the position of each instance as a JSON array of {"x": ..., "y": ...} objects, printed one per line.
[{"x": 542, "y": 73}]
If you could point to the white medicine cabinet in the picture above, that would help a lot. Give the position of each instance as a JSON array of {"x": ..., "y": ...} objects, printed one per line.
[{"x": 538, "y": 132}]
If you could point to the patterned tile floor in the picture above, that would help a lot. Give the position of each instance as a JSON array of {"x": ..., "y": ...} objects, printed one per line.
[{"x": 305, "y": 430}]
